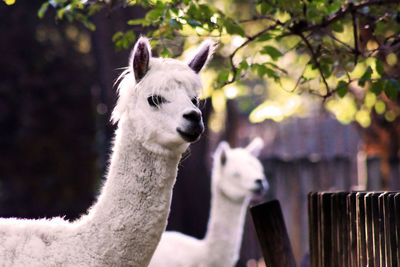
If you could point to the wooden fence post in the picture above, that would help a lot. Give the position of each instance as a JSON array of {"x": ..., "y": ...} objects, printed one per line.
[{"x": 272, "y": 235}]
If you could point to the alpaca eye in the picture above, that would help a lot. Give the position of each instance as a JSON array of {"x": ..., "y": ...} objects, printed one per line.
[
  {"x": 156, "y": 100},
  {"x": 195, "y": 101}
]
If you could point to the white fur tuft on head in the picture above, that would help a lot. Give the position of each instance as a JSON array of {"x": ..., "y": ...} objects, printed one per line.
[
  {"x": 202, "y": 56},
  {"x": 255, "y": 146}
]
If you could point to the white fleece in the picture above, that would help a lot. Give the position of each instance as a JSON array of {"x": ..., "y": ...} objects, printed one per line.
[{"x": 233, "y": 182}]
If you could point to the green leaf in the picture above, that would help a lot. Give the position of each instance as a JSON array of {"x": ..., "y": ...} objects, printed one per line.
[
  {"x": 342, "y": 88},
  {"x": 133, "y": 22},
  {"x": 90, "y": 25},
  {"x": 233, "y": 28},
  {"x": 223, "y": 76},
  {"x": 155, "y": 14},
  {"x": 60, "y": 13},
  {"x": 272, "y": 52},
  {"x": 337, "y": 26},
  {"x": 392, "y": 89},
  {"x": 366, "y": 76},
  {"x": 262, "y": 70},
  {"x": 42, "y": 10},
  {"x": 264, "y": 37},
  {"x": 263, "y": 8},
  {"x": 117, "y": 36},
  {"x": 326, "y": 70},
  {"x": 244, "y": 65},
  {"x": 377, "y": 87},
  {"x": 379, "y": 67}
]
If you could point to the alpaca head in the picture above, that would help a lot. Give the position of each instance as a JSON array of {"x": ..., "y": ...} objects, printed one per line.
[
  {"x": 158, "y": 98},
  {"x": 237, "y": 171}
]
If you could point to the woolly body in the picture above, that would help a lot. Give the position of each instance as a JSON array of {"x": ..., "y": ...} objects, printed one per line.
[
  {"x": 124, "y": 226},
  {"x": 236, "y": 175}
]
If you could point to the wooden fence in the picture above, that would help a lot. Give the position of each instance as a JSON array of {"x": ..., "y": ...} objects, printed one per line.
[
  {"x": 354, "y": 229},
  {"x": 291, "y": 181}
]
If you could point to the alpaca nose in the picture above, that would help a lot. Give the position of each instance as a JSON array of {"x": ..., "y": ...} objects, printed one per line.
[
  {"x": 193, "y": 126},
  {"x": 193, "y": 116},
  {"x": 261, "y": 186}
]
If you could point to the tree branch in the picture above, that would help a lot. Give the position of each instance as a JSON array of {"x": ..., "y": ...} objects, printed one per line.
[
  {"x": 248, "y": 40},
  {"x": 343, "y": 11},
  {"x": 316, "y": 62},
  {"x": 355, "y": 36}
]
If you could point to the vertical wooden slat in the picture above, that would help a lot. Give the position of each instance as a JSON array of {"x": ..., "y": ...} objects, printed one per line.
[
  {"x": 272, "y": 235},
  {"x": 319, "y": 229},
  {"x": 312, "y": 230},
  {"x": 382, "y": 253},
  {"x": 354, "y": 229},
  {"x": 369, "y": 229},
  {"x": 326, "y": 229},
  {"x": 351, "y": 209},
  {"x": 343, "y": 229},
  {"x": 397, "y": 220},
  {"x": 361, "y": 244},
  {"x": 376, "y": 227},
  {"x": 334, "y": 230},
  {"x": 392, "y": 251}
]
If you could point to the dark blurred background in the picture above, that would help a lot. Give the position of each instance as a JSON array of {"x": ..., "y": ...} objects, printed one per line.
[{"x": 56, "y": 96}]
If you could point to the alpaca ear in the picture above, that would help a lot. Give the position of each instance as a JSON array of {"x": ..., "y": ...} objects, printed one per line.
[
  {"x": 203, "y": 55},
  {"x": 221, "y": 150},
  {"x": 255, "y": 146},
  {"x": 140, "y": 58}
]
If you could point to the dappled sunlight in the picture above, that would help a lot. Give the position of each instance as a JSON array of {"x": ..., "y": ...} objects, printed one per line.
[
  {"x": 276, "y": 110},
  {"x": 344, "y": 109}
]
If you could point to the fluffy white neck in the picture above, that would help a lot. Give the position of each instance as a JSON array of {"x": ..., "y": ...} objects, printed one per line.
[
  {"x": 225, "y": 227},
  {"x": 132, "y": 210}
]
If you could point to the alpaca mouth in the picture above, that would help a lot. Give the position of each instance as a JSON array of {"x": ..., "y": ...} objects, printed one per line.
[
  {"x": 259, "y": 191},
  {"x": 192, "y": 135}
]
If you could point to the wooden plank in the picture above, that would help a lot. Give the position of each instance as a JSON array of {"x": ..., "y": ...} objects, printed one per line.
[
  {"x": 334, "y": 229},
  {"x": 376, "y": 227},
  {"x": 391, "y": 233},
  {"x": 326, "y": 229},
  {"x": 343, "y": 229},
  {"x": 381, "y": 232},
  {"x": 272, "y": 235},
  {"x": 352, "y": 246},
  {"x": 319, "y": 229},
  {"x": 397, "y": 219},
  {"x": 369, "y": 229},
  {"x": 313, "y": 227},
  {"x": 361, "y": 240}
]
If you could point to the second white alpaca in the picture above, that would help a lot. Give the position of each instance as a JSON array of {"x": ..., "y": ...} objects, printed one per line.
[{"x": 237, "y": 174}]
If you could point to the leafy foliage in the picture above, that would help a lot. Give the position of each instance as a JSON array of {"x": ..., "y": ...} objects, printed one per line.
[{"x": 351, "y": 47}]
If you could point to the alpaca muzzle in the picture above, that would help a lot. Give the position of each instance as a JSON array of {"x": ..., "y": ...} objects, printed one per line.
[
  {"x": 261, "y": 186},
  {"x": 193, "y": 126}
]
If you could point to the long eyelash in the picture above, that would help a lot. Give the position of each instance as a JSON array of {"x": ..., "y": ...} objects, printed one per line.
[{"x": 156, "y": 100}]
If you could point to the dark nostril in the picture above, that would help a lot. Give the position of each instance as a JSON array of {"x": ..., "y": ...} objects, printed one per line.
[
  {"x": 193, "y": 116},
  {"x": 259, "y": 182}
]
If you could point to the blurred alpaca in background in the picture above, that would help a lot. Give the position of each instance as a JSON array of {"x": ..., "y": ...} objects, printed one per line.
[{"x": 237, "y": 175}]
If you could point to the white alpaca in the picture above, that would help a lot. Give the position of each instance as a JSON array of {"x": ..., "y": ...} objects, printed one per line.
[
  {"x": 236, "y": 175},
  {"x": 157, "y": 117}
]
